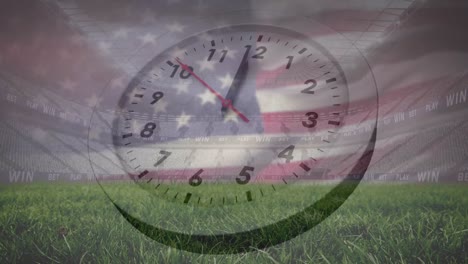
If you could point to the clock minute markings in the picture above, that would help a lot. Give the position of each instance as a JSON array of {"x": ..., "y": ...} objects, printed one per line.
[
  {"x": 143, "y": 174},
  {"x": 127, "y": 135},
  {"x": 249, "y": 196},
  {"x": 187, "y": 197},
  {"x": 304, "y": 166}
]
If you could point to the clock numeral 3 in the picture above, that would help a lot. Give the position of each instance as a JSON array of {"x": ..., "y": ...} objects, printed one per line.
[{"x": 311, "y": 120}]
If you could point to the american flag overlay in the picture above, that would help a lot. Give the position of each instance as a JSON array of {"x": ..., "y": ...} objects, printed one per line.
[
  {"x": 52, "y": 78},
  {"x": 81, "y": 82}
]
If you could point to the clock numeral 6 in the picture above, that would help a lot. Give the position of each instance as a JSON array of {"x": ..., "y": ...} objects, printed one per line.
[
  {"x": 311, "y": 120},
  {"x": 196, "y": 180},
  {"x": 245, "y": 175},
  {"x": 148, "y": 130}
]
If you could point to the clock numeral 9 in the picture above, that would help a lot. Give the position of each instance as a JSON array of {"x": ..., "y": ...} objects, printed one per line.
[
  {"x": 148, "y": 130},
  {"x": 196, "y": 180},
  {"x": 157, "y": 96},
  {"x": 311, "y": 120},
  {"x": 245, "y": 175}
]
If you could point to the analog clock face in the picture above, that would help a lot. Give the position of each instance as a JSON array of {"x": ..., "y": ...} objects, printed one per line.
[
  {"x": 246, "y": 110},
  {"x": 226, "y": 134}
]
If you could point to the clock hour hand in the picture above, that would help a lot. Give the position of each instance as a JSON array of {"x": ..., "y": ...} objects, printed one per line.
[{"x": 236, "y": 83}]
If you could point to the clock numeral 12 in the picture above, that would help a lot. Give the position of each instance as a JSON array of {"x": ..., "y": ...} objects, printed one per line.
[{"x": 261, "y": 50}]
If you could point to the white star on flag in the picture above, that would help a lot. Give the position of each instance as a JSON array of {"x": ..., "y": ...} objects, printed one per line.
[
  {"x": 160, "y": 106},
  {"x": 231, "y": 54},
  {"x": 225, "y": 81},
  {"x": 175, "y": 27},
  {"x": 136, "y": 127},
  {"x": 148, "y": 38},
  {"x": 182, "y": 87},
  {"x": 121, "y": 33},
  {"x": 205, "y": 65},
  {"x": 205, "y": 37},
  {"x": 230, "y": 116},
  {"x": 207, "y": 97},
  {"x": 104, "y": 47},
  {"x": 68, "y": 85},
  {"x": 93, "y": 100},
  {"x": 95, "y": 132},
  {"x": 117, "y": 82},
  {"x": 38, "y": 134},
  {"x": 183, "y": 120},
  {"x": 178, "y": 53}
]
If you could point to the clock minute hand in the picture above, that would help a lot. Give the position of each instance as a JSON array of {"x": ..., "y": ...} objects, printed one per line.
[{"x": 236, "y": 83}]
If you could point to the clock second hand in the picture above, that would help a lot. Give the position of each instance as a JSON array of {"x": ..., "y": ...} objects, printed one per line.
[{"x": 224, "y": 102}]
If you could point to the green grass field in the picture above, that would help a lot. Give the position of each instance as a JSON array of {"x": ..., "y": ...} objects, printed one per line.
[{"x": 73, "y": 223}]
